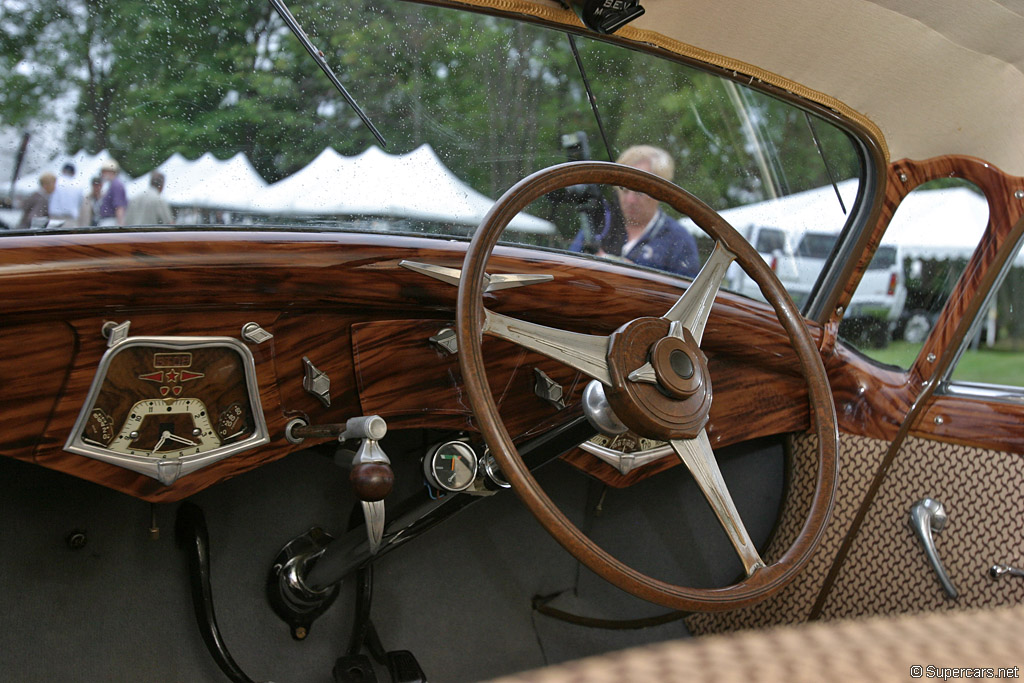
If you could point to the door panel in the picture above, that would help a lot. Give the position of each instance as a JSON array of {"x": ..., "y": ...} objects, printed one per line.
[{"x": 886, "y": 570}]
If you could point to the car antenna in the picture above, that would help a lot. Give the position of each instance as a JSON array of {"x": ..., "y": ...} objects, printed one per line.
[
  {"x": 318, "y": 57},
  {"x": 586, "y": 84},
  {"x": 828, "y": 168}
]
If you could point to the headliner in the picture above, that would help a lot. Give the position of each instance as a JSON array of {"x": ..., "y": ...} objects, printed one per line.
[{"x": 934, "y": 76}]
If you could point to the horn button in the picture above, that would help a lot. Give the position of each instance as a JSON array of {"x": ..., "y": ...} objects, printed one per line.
[{"x": 677, "y": 406}]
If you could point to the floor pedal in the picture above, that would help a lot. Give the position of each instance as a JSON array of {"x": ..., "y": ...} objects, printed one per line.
[
  {"x": 404, "y": 668},
  {"x": 354, "y": 669}
]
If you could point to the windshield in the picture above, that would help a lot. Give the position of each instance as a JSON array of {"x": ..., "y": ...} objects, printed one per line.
[{"x": 243, "y": 128}]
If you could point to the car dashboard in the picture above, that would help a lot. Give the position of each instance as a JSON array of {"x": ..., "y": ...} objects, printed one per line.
[{"x": 158, "y": 365}]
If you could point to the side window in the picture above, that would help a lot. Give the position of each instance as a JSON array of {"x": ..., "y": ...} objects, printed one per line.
[
  {"x": 995, "y": 347},
  {"x": 922, "y": 255}
]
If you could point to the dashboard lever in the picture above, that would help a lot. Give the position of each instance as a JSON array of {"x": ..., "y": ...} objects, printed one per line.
[
  {"x": 371, "y": 476},
  {"x": 363, "y": 427},
  {"x": 928, "y": 517}
]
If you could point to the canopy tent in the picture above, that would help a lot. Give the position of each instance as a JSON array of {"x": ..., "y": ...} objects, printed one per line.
[
  {"x": 416, "y": 185},
  {"x": 87, "y": 166},
  {"x": 206, "y": 183},
  {"x": 929, "y": 224},
  {"x": 817, "y": 209}
]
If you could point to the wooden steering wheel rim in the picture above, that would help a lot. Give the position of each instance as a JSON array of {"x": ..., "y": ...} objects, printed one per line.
[{"x": 470, "y": 316}]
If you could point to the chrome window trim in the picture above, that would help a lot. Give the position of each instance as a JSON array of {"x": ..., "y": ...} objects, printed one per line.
[{"x": 980, "y": 390}]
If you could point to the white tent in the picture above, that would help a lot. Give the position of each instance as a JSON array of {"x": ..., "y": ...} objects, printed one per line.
[
  {"x": 206, "y": 183},
  {"x": 817, "y": 209},
  {"x": 87, "y": 166},
  {"x": 415, "y": 185},
  {"x": 942, "y": 223}
]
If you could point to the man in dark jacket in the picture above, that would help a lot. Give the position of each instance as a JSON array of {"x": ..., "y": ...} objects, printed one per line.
[{"x": 651, "y": 237}]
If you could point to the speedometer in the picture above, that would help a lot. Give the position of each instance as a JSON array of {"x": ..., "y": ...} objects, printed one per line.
[{"x": 167, "y": 406}]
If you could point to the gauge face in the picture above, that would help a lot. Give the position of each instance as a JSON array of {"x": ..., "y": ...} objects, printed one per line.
[
  {"x": 162, "y": 400},
  {"x": 451, "y": 466},
  {"x": 166, "y": 429}
]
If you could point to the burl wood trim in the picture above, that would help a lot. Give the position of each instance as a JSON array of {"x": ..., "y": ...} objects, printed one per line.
[
  {"x": 973, "y": 422},
  {"x": 404, "y": 378},
  {"x": 34, "y": 363}
]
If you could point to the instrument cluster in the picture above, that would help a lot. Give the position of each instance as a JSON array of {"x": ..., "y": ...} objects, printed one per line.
[{"x": 167, "y": 406}]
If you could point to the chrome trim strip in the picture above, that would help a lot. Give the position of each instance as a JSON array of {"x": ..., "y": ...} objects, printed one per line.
[{"x": 495, "y": 283}]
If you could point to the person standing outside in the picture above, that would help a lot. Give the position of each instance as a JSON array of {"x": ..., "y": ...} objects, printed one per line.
[
  {"x": 652, "y": 238},
  {"x": 66, "y": 200},
  {"x": 89, "y": 210},
  {"x": 115, "y": 201},
  {"x": 37, "y": 206},
  {"x": 150, "y": 208}
]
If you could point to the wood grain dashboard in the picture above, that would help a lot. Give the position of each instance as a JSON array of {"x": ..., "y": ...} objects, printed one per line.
[{"x": 343, "y": 301}]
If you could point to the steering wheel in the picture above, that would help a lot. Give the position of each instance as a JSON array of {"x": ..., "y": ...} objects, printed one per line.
[{"x": 656, "y": 381}]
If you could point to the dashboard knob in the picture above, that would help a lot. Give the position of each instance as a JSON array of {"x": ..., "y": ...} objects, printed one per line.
[{"x": 372, "y": 481}]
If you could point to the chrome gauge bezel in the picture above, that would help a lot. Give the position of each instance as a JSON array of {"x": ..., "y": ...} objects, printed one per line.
[
  {"x": 169, "y": 470},
  {"x": 432, "y": 454}
]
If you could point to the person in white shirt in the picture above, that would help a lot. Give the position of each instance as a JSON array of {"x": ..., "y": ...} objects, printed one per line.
[
  {"x": 150, "y": 208},
  {"x": 66, "y": 198}
]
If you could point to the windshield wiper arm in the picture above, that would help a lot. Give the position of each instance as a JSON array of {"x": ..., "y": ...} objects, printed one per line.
[
  {"x": 586, "y": 84},
  {"x": 590, "y": 94},
  {"x": 828, "y": 167},
  {"x": 318, "y": 57}
]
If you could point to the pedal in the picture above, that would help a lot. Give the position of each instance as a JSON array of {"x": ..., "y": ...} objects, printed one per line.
[
  {"x": 354, "y": 669},
  {"x": 404, "y": 668}
]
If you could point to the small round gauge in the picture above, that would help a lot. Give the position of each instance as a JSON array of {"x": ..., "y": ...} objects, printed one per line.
[{"x": 450, "y": 466}]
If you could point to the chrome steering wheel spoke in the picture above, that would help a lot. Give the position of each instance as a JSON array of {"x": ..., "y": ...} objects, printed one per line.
[
  {"x": 693, "y": 307},
  {"x": 584, "y": 352},
  {"x": 698, "y": 456}
]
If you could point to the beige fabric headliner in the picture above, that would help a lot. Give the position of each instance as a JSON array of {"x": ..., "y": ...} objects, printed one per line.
[{"x": 935, "y": 76}]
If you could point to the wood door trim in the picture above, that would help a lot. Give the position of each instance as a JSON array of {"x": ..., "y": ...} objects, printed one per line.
[{"x": 998, "y": 245}]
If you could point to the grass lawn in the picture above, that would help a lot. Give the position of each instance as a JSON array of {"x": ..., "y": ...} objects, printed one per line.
[{"x": 991, "y": 366}]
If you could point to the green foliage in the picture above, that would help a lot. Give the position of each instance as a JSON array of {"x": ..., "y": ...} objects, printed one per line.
[{"x": 491, "y": 96}]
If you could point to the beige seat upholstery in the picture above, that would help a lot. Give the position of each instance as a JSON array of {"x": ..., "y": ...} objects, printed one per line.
[{"x": 876, "y": 649}]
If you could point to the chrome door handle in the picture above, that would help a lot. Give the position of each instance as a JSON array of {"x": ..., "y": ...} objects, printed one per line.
[{"x": 927, "y": 517}]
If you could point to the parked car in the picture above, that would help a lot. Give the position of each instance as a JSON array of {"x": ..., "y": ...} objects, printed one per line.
[
  {"x": 772, "y": 243},
  {"x": 877, "y": 303},
  {"x": 388, "y": 425}
]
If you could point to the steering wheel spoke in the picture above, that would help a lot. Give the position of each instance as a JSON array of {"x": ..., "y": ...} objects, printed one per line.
[
  {"x": 584, "y": 352},
  {"x": 694, "y": 306},
  {"x": 700, "y": 459}
]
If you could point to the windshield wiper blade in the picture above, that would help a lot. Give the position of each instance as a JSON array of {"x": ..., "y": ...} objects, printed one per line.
[{"x": 318, "y": 57}]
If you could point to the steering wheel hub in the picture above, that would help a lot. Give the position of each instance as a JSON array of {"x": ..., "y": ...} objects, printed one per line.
[{"x": 676, "y": 404}]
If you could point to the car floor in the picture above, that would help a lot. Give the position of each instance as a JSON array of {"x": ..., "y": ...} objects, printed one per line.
[{"x": 459, "y": 597}]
